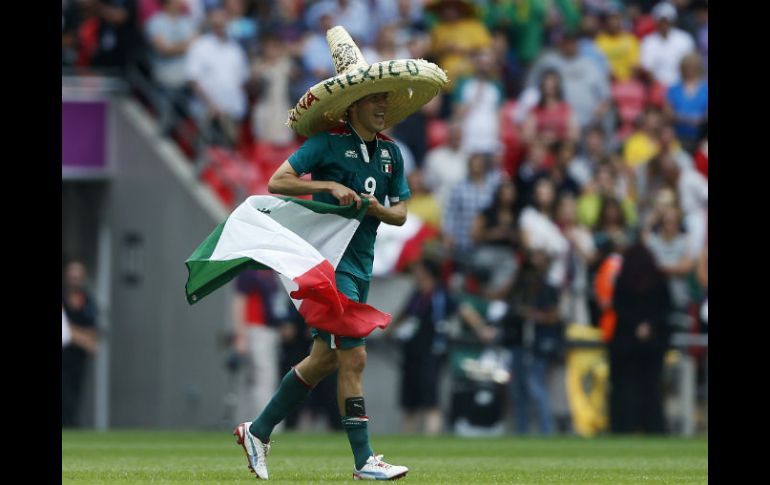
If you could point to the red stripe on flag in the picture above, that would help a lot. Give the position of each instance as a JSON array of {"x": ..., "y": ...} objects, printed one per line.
[
  {"x": 319, "y": 284},
  {"x": 326, "y": 308},
  {"x": 358, "y": 319}
]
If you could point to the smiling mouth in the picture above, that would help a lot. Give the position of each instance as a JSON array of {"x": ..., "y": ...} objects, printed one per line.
[{"x": 380, "y": 116}]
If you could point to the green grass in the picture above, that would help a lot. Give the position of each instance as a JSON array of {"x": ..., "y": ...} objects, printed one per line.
[{"x": 123, "y": 457}]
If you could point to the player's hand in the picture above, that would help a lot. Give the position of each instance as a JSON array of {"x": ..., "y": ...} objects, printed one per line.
[
  {"x": 345, "y": 195},
  {"x": 374, "y": 205}
]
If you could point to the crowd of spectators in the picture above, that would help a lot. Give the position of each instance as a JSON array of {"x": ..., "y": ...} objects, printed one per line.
[{"x": 570, "y": 131}]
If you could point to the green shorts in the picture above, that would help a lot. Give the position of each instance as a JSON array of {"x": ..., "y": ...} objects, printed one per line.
[{"x": 357, "y": 290}]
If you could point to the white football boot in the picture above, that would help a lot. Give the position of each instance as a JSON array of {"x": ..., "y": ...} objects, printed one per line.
[
  {"x": 256, "y": 451},
  {"x": 376, "y": 469}
]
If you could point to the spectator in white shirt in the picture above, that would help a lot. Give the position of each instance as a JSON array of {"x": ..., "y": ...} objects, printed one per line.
[
  {"x": 669, "y": 244},
  {"x": 662, "y": 51},
  {"x": 354, "y": 15},
  {"x": 692, "y": 190},
  {"x": 316, "y": 62},
  {"x": 478, "y": 100},
  {"x": 170, "y": 32},
  {"x": 540, "y": 233},
  {"x": 446, "y": 165},
  {"x": 271, "y": 73},
  {"x": 218, "y": 70}
]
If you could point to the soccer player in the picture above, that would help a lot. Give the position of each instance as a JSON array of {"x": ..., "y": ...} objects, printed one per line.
[{"x": 349, "y": 160}]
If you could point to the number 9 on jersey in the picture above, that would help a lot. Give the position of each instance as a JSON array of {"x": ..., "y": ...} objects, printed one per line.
[{"x": 370, "y": 185}]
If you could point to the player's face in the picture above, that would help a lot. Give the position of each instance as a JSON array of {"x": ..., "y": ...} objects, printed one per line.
[{"x": 368, "y": 114}]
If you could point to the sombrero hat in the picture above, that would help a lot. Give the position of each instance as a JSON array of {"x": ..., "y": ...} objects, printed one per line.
[{"x": 410, "y": 83}]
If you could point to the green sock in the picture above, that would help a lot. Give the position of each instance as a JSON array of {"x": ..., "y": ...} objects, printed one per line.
[
  {"x": 358, "y": 435},
  {"x": 291, "y": 393}
]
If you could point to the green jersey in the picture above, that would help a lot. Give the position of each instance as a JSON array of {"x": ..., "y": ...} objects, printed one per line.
[{"x": 340, "y": 155}]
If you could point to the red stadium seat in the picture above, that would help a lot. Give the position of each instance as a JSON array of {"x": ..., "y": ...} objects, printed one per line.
[
  {"x": 269, "y": 157},
  {"x": 211, "y": 178},
  {"x": 238, "y": 174}
]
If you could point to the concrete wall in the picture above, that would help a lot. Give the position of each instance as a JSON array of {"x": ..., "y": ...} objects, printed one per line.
[
  {"x": 166, "y": 357},
  {"x": 80, "y": 219}
]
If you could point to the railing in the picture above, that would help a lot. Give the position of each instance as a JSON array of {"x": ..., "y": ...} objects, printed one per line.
[
  {"x": 195, "y": 137},
  {"x": 75, "y": 85}
]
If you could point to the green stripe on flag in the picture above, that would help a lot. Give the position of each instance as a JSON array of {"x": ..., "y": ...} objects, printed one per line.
[
  {"x": 206, "y": 248},
  {"x": 205, "y": 276},
  {"x": 347, "y": 211}
]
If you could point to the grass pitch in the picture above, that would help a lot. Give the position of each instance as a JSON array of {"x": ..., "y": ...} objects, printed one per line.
[{"x": 134, "y": 457}]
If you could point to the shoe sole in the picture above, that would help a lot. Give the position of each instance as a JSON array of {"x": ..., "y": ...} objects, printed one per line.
[
  {"x": 239, "y": 438},
  {"x": 395, "y": 477}
]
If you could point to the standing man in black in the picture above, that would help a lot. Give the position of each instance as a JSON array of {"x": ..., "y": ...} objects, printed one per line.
[{"x": 80, "y": 312}]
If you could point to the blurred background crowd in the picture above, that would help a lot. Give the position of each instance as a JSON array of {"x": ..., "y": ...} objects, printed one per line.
[{"x": 560, "y": 181}]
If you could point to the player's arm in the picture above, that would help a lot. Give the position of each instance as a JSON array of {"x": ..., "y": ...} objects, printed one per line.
[
  {"x": 395, "y": 215},
  {"x": 286, "y": 181},
  {"x": 398, "y": 193}
]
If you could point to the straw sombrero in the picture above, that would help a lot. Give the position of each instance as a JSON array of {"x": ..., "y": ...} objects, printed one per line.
[{"x": 410, "y": 83}]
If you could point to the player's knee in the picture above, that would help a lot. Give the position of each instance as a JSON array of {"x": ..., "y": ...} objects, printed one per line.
[
  {"x": 328, "y": 363},
  {"x": 323, "y": 364},
  {"x": 353, "y": 360}
]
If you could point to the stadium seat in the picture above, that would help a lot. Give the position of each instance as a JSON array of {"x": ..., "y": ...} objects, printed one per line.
[
  {"x": 269, "y": 157},
  {"x": 211, "y": 178},
  {"x": 238, "y": 175}
]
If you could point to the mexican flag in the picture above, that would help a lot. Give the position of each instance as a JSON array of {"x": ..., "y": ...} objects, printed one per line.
[{"x": 301, "y": 240}]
